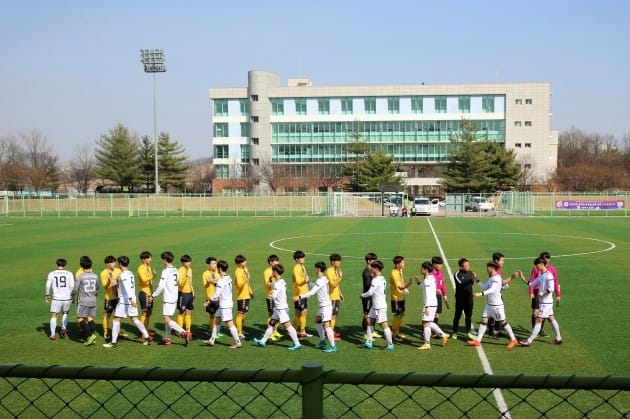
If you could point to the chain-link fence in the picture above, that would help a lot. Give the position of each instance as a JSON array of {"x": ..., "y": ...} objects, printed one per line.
[{"x": 311, "y": 392}]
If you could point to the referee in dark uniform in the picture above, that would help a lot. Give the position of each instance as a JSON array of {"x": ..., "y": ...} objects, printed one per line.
[
  {"x": 464, "y": 279},
  {"x": 367, "y": 283}
]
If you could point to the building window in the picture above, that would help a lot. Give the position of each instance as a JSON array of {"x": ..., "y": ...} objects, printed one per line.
[
  {"x": 221, "y": 152},
  {"x": 255, "y": 141},
  {"x": 323, "y": 106},
  {"x": 244, "y": 104},
  {"x": 221, "y": 171},
  {"x": 487, "y": 104},
  {"x": 463, "y": 104},
  {"x": 220, "y": 107},
  {"x": 221, "y": 130},
  {"x": 416, "y": 104},
  {"x": 254, "y": 118},
  {"x": 346, "y": 106},
  {"x": 518, "y": 101},
  {"x": 244, "y": 129},
  {"x": 528, "y": 145},
  {"x": 256, "y": 162},
  {"x": 440, "y": 104},
  {"x": 254, "y": 98},
  {"x": 517, "y": 123},
  {"x": 528, "y": 123},
  {"x": 369, "y": 104},
  {"x": 277, "y": 106},
  {"x": 517, "y": 145},
  {"x": 529, "y": 101},
  {"x": 244, "y": 153},
  {"x": 528, "y": 166},
  {"x": 300, "y": 106},
  {"x": 393, "y": 104}
]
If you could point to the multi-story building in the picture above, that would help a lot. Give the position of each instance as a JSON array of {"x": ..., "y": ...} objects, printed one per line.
[{"x": 301, "y": 131}]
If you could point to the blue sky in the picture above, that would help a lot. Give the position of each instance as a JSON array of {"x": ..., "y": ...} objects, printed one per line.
[{"x": 71, "y": 69}]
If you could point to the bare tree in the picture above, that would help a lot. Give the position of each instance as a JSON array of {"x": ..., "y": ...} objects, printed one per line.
[
  {"x": 81, "y": 168},
  {"x": 41, "y": 165},
  {"x": 11, "y": 168},
  {"x": 200, "y": 176},
  {"x": 270, "y": 175}
]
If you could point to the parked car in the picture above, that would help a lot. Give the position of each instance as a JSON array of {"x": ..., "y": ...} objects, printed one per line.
[
  {"x": 421, "y": 206},
  {"x": 478, "y": 203}
]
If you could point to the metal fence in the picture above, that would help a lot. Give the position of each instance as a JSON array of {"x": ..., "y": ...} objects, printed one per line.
[{"x": 310, "y": 392}]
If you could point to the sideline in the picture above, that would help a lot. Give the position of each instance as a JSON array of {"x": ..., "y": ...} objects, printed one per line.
[{"x": 498, "y": 395}]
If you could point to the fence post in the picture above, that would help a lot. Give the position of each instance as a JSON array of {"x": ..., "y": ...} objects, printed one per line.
[{"x": 312, "y": 391}]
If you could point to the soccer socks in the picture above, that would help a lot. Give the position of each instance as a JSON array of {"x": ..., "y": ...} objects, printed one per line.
[
  {"x": 180, "y": 320},
  {"x": 174, "y": 326},
  {"x": 91, "y": 327},
  {"x": 333, "y": 322},
  {"x": 482, "y": 330},
  {"x": 267, "y": 334},
  {"x": 387, "y": 332},
  {"x": 330, "y": 334},
  {"x": 188, "y": 321},
  {"x": 167, "y": 331},
  {"x": 234, "y": 333},
  {"x": 106, "y": 323},
  {"x": 141, "y": 328},
  {"x": 509, "y": 331},
  {"x": 369, "y": 332},
  {"x": 53, "y": 325},
  {"x": 239, "y": 324},
  {"x": 294, "y": 336},
  {"x": 556, "y": 329},
  {"x": 533, "y": 321},
  {"x": 427, "y": 335},
  {"x": 436, "y": 329},
  {"x": 396, "y": 322},
  {"x": 320, "y": 330},
  {"x": 215, "y": 331},
  {"x": 64, "y": 320},
  {"x": 303, "y": 323},
  {"x": 115, "y": 331},
  {"x": 364, "y": 324},
  {"x": 535, "y": 332}
]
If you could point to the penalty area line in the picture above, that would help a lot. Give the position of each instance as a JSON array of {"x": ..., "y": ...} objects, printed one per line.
[{"x": 485, "y": 363}]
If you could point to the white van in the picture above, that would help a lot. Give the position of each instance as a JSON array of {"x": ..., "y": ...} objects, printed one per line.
[{"x": 421, "y": 206}]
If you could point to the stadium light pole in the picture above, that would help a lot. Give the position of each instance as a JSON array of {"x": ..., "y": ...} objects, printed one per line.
[{"x": 154, "y": 62}]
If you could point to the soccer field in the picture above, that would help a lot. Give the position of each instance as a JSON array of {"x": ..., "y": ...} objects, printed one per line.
[{"x": 589, "y": 254}]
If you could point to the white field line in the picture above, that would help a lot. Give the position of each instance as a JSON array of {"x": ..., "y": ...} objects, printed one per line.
[{"x": 498, "y": 395}]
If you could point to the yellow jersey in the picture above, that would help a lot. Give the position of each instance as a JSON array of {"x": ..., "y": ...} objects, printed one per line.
[
  {"x": 334, "y": 279},
  {"x": 210, "y": 278},
  {"x": 80, "y": 272},
  {"x": 300, "y": 280},
  {"x": 109, "y": 282},
  {"x": 145, "y": 278},
  {"x": 267, "y": 275},
  {"x": 243, "y": 289},
  {"x": 185, "y": 280},
  {"x": 396, "y": 280}
]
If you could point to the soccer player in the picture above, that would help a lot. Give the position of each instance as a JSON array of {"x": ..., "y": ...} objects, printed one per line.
[
  {"x": 128, "y": 305},
  {"x": 430, "y": 294},
  {"x": 378, "y": 308},
  {"x": 61, "y": 282},
  {"x": 267, "y": 279},
  {"x": 223, "y": 294},
  {"x": 109, "y": 282},
  {"x": 324, "y": 314},
  {"x": 545, "y": 283},
  {"x": 86, "y": 286},
  {"x": 494, "y": 307},
  {"x": 146, "y": 273},
  {"x": 499, "y": 259},
  {"x": 464, "y": 280},
  {"x": 210, "y": 277},
  {"x": 441, "y": 293},
  {"x": 300, "y": 286},
  {"x": 186, "y": 293},
  {"x": 533, "y": 292},
  {"x": 399, "y": 290},
  {"x": 244, "y": 292},
  {"x": 169, "y": 283},
  {"x": 367, "y": 283},
  {"x": 80, "y": 324},
  {"x": 280, "y": 310},
  {"x": 335, "y": 275}
]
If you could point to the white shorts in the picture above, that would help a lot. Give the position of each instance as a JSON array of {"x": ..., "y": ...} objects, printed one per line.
[
  {"x": 545, "y": 310},
  {"x": 496, "y": 312},
  {"x": 125, "y": 310},
  {"x": 379, "y": 315},
  {"x": 282, "y": 316},
  {"x": 168, "y": 309},
  {"x": 57, "y": 306},
  {"x": 325, "y": 313},
  {"x": 431, "y": 316},
  {"x": 225, "y": 314}
]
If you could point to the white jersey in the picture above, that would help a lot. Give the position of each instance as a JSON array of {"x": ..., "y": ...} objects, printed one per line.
[
  {"x": 492, "y": 289},
  {"x": 544, "y": 282},
  {"x": 377, "y": 292},
  {"x": 127, "y": 287},
  {"x": 61, "y": 282},
  {"x": 429, "y": 291},
  {"x": 169, "y": 284},
  {"x": 223, "y": 292},
  {"x": 319, "y": 287},
  {"x": 279, "y": 294}
]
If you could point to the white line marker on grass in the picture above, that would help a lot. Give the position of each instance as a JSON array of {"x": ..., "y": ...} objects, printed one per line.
[{"x": 498, "y": 395}]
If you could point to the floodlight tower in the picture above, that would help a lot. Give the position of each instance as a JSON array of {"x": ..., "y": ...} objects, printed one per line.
[{"x": 154, "y": 62}]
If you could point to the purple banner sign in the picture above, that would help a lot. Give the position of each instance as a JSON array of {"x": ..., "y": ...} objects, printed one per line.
[{"x": 590, "y": 205}]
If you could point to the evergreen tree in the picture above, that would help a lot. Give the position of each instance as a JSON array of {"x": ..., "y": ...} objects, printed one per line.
[
  {"x": 116, "y": 157},
  {"x": 171, "y": 163},
  {"x": 147, "y": 162}
]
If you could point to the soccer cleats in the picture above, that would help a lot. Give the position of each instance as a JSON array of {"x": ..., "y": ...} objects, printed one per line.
[
  {"x": 63, "y": 333},
  {"x": 321, "y": 344},
  {"x": 525, "y": 343},
  {"x": 109, "y": 345},
  {"x": 512, "y": 344},
  {"x": 425, "y": 347},
  {"x": 367, "y": 345},
  {"x": 330, "y": 349},
  {"x": 90, "y": 340},
  {"x": 259, "y": 342},
  {"x": 473, "y": 342},
  {"x": 555, "y": 342},
  {"x": 389, "y": 347},
  {"x": 445, "y": 337},
  {"x": 294, "y": 347}
]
